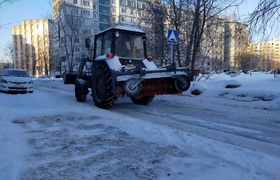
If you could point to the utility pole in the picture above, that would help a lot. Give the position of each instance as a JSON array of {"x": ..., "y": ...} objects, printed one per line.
[{"x": 250, "y": 64}]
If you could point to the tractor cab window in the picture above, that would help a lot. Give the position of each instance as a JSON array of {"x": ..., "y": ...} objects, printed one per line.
[
  {"x": 98, "y": 47},
  {"x": 107, "y": 44},
  {"x": 103, "y": 44},
  {"x": 130, "y": 46}
]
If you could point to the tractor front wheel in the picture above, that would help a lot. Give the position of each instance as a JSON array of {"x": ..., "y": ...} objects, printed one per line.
[
  {"x": 80, "y": 92},
  {"x": 102, "y": 87}
]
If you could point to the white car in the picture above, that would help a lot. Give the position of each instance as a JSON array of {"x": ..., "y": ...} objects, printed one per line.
[{"x": 15, "y": 80}]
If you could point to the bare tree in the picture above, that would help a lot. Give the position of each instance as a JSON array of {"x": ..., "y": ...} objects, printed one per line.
[
  {"x": 200, "y": 29},
  {"x": 191, "y": 19},
  {"x": 4, "y": 1},
  {"x": 9, "y": 50},
  {"x": 69, "y": 24},
  {"x": 49, "y": 14},
  {"x": 265, "y": 17},
  {"x": 204, "y": 11},
  {"x": 157, "y": 42}
]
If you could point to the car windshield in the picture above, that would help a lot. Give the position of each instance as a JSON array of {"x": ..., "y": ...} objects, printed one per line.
[{"x": 15, "y": 73}]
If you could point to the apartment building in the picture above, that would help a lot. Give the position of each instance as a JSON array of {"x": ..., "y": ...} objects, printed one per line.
[
  {"x": 74, "y": 21},
  {"x": 213, "y": 46},
  {"x": 266, "y": 54},
  {"x": 236, "y": 44},
  {"x": 33, "y": 46}
]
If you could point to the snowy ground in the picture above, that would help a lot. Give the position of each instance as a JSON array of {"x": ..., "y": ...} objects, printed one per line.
[{"x": 220, "y": 134}]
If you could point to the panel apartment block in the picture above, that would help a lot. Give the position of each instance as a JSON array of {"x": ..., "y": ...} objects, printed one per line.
[{"x": 33, "y": 46}]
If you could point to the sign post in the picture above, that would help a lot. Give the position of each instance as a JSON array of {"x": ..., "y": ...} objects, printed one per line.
[{"x": 172, "y": 38}]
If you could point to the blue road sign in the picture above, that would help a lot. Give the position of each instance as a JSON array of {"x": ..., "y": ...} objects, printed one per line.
[
  {"x": 172, "y": 36},
  {"x": 38, "y": 67}
]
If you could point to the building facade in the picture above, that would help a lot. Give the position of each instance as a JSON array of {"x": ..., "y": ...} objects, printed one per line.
[
  {"x": 236, "y": 44},
  {"x": 33, "y": 46},
  {"x": 212, "y": 46},
  {"x": 265, "y": 55}
]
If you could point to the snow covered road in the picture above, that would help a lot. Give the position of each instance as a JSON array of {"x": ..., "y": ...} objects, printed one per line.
[{"x": 175, "y": 137}]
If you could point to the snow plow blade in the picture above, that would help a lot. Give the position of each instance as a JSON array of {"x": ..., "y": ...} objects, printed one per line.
[{"x": 156, "y": 86}]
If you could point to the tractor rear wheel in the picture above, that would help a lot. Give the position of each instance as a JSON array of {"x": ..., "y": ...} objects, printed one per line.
[
  {"x": 144, "y": 100},
  {"x": 102, "y": 87}
]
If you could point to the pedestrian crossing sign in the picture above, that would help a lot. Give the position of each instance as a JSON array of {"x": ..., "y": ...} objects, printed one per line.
[{"x": 172, "y": 36}]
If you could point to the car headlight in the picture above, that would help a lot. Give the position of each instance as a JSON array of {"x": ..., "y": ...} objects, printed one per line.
[
  {"x": 30, "y": 82},
  {"x": 4, "y": 81}
]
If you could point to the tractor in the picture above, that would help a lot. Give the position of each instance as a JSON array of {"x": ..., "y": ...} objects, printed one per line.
[{"x": 120, "y": 67}]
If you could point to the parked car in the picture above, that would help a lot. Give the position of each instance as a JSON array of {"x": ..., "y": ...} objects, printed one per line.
[
  {"x": 232, "y": 73},
  {"x": 44, "y": 76},
  {"x": 245, "y": 71},
  {"x": 15, "y": 80}
]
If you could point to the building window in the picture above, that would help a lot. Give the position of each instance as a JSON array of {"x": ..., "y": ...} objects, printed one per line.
[
  {"x": 124, "y": 2},
  {"x": 123, "y": 10},
  {"x": 76, "y": 11},
  {"x": 86, "y": 13},
  {"x": 106, "y": 21},
  {"x": 86, "y": 3},
  {"x": 105, "y": 12},
  {"x": 86, "y": 31},
  {"x": 113, "y": 1},
  {"x": 74, "y": 1},
  {"x": 88, "y": 22},
  {"x": 77, "y": 40},
  {"x": 140, "y": 5},
  {"x": 94, "y": 16},
  {"x": 105, "y": 2}
]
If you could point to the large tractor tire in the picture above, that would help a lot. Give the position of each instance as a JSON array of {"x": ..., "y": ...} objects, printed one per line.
[
  {"x": 80, "y": 92},
  {"x": 145, "y": 100},
  {"x": 102, "y": 87}
]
